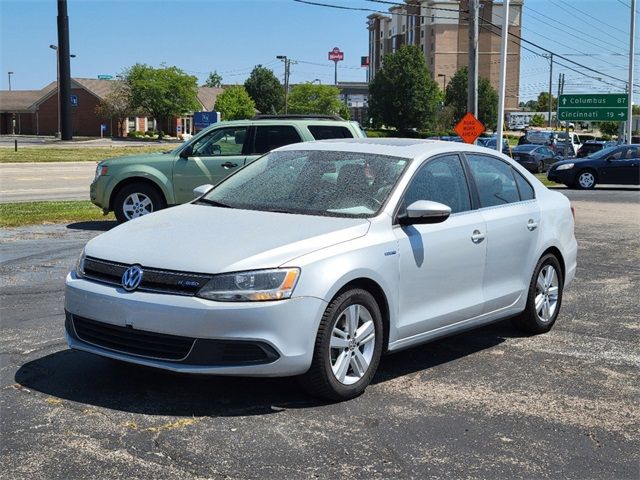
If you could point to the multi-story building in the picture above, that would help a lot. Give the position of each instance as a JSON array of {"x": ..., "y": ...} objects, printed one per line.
[{"x": 441, "y": 29}]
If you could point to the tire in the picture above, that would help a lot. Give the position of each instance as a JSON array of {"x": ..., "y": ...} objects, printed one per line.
[
  {"x": 135, "y": 200},
  {"x": 325, "y": 378},
  {"x": 546, "y": 289},
  {"x": 540, "y": 167},
  {"x": 586, "y": 179}
]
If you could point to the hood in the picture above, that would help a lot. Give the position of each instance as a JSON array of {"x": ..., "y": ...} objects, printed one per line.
[
  {"x": 207, "y": 239},
  {"x": 134, "y": 158}
]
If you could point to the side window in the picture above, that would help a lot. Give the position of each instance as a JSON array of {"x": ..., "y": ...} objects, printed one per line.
[
  {"x": 221, "y": 141},
  {"x": 269, "y": 137},
  {"x": 494, "y": 179},
  {"x": 324, "y": 132},
  {"x": 441, "y": 180},
  {"x": 632, "y": 152},
  {"x": 524, "y": 187},
  {"x": 618, "y": 155}
]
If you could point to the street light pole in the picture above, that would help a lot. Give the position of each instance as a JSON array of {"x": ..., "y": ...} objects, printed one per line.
[
  {"x": 10, "y": 73},
  {"x": 503, "y": 73},
  {"x": 64, "y": 66},
  {"x": 632, "y": 31}
]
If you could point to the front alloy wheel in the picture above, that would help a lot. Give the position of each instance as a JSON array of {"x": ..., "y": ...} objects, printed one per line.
[
  {"x": 348, "y": 347},
  {"x": 136, "y": 200},
  {"x": 586, "y": 180}
]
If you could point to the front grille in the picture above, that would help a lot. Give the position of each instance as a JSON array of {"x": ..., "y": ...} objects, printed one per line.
[
  {"x": 185, "y": 350},
  {"x": 153, "y": 279},
  {"x": 128, "y": 340}
]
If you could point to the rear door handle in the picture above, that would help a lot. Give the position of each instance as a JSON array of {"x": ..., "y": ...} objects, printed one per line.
[
  {"x": 229, "y": 165},
  {"x": 477, "y": 236},
  {"x": 531, "y": 225}
]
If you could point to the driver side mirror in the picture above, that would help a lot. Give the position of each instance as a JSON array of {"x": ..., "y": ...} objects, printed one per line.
[
  {"x": 424, "y": 212},
  {"x": 186, "y": 151}
]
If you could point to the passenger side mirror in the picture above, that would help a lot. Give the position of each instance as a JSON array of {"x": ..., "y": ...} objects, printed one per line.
[
  {"x": 423, "y": 212},
  {"x": 201, "y": 190},
  {"x": 186, "y": 151}
]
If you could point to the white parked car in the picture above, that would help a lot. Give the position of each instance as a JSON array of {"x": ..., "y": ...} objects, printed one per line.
[{"x": 318, "y": 258}]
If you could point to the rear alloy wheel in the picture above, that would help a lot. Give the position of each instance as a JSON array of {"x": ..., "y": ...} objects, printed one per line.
[
  {"x": 586, "y": 180},
  {"x": 136, "y": 200},
  {"x": 544, "y": 297},
  {"x": 348, "y": 347}
]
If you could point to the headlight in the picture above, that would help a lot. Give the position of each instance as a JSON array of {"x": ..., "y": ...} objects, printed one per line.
[
  {"x": 80, "y": 265},
  {"x": 255, "y": 286},
  {"x": 566, "y": 166},
  {"x": 101, "y": 170}
]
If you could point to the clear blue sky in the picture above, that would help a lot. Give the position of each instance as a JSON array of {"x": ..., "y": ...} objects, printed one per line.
[{"x": 232, "y": 36}]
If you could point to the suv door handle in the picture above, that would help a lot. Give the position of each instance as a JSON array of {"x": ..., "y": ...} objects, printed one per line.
[
  {"x": 531, "y": 225},
  {"x": 229, "y": 165},
  {"x": 477, "y": 236}
]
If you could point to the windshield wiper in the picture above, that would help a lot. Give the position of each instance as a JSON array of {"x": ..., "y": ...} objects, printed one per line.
[{"x": 213, "y": 203}]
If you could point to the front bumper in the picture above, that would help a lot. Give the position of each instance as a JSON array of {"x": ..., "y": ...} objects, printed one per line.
[
  {"x": 562, "y": 176},
  {"x": 98, "y": 192},
  {"x": 286, "y": 328}
]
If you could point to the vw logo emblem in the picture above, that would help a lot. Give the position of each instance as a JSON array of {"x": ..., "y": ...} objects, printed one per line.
[{"x": 131, "y": 278}]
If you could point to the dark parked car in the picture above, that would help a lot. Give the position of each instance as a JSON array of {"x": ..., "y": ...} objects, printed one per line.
[
  {"x": 615, "y": 165},
  {"x": 535, "y": 158},
  {"x": 593, "y": 146},
  {"x": 490, "y": 142}
]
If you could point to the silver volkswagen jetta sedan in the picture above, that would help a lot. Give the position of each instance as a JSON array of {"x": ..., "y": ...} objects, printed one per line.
[{"x": 319, "y": 257}]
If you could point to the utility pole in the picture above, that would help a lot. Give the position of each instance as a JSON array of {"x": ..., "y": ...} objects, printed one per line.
[
  {"x": 632, "y": 31},
  {"x": 559, "y": 91},
  {"x": 287, "y": 64},
  {"x": 65, "y": 72},
  {"x": 472, "y": 81},
  {"x": 10, "y": 73},
  {"x": 550, "y": 57},
  {"x": 503, "y": 73}
]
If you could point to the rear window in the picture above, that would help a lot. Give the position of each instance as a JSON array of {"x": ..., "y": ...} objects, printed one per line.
[
  {"x": 325, "y": 132},
  {"x": 273, "y": 136}
]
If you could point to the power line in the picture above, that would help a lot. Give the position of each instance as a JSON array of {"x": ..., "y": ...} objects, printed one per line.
[{"x": 597, "y": 26}]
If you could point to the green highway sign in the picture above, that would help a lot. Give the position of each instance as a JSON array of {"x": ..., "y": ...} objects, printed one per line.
[
  {"x": 593, "y": 107},
  {"x": 105, "y": 77}
]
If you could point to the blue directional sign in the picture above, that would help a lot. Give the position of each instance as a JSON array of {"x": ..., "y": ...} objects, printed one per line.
[{"x": 74, "y": 100}]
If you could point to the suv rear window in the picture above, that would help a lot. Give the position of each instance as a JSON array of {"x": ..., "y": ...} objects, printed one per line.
[
  {"x": 325, "y": 132},
  {"x": 269, "y": 137}
]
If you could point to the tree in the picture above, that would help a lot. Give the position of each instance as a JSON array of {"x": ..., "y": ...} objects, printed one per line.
[
  {"x": 456, "y": 96},
  {"x": 116, "y": 105},
  {"x": 163, "y": 92},
  {"x": 214, "y": 80},
  {"x": 537, "y": 121},
  {"x": 543, "y": 102},
  {"x": 309, "y": 98},
  {"x": 530, "y": 106},
  {"x": 265, "y": 90},
  {"x": 235, "y": 104},
  {"x": 608, "y": 129},
  {"x": 402, "y": 94}
]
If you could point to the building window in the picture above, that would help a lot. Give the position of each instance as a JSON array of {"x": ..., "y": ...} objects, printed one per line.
[
  {"x": 131, "y": 124},
  {"x": 151, "y": 124},
  {"x": 381, "y": 34},
  {"x": 422, "y": 20},
  {"x": 432, "y": 32},
  {"x": 422, "y": 47},
  {"x": 431, "y": 60},
  {"x": 389, "y": 32},
  {"x": 403, "y": 28},
  {"x": 421, "y": 33}
]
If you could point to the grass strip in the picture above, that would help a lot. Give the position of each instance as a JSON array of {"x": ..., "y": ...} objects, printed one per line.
[
  {"x": 77, "y": 154},
  {"x": 31, "y": 213}
]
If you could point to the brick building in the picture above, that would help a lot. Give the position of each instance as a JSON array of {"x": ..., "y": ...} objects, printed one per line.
[
  {"x": 35, "y": 112},
  {"x": 440, "y": 29}
]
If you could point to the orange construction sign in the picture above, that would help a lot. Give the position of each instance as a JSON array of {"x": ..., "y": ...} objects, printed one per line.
[{"x": 469, "y": 128}]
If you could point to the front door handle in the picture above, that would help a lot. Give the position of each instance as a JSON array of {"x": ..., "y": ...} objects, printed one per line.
[
  {"x": 531, "y": 225},
  {"x": 229, "y": 165},
  {"x": 477, "y": 236}
]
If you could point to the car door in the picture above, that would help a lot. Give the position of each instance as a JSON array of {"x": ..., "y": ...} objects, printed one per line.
[
  {"x": 512, "y": 220},
  {"x": 215, "y": 155},
  {"x": 623, "y": 167},
  {"x": 441, "y": 265}
]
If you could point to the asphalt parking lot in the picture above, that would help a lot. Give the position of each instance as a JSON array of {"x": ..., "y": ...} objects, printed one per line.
[{"x": 486, "y": 404}]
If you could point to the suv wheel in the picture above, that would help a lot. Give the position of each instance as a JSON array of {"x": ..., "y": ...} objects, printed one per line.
[
  {"x": 347, "y": 349},
  {"x": 135, "y": 200}
]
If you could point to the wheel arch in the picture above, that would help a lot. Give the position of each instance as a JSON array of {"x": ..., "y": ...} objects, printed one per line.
[{"x": 555, "y": 251}]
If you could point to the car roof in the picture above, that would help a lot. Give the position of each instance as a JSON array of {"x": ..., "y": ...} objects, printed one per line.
[{"x": 395, "y": 147}]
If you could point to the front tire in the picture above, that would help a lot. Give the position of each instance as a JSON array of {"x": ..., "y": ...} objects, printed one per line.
[
  {"x": 347, "y": 349},
  {"x": 586, "y": 180},
  {"x": 544, "y": 297},
  {"x": 136, "y": 200}
]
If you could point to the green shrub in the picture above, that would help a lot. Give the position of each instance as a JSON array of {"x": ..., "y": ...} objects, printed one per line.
[{"x": 149, "y": 133}]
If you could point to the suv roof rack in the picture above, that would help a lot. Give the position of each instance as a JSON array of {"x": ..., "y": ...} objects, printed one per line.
[{"x": 297, "y": 116}]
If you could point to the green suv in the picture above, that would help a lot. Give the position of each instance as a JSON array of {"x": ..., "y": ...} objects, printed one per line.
[{"x": 136, "y": 185}]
